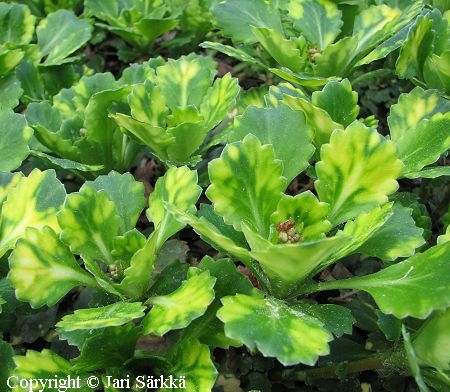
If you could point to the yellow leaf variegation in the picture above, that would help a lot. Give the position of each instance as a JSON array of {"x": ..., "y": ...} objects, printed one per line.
[
  {"x": 358, "y": 169},
  {"x": 33, "y": 202},
  {"x": 178, "y": 187},
  {"x": 173, "y": 113},
  {"x": 177, "y": 309},
  {"x": 246, "y": 184},
  {"x": 89, "y": 222},
  {"x": 43, "y": 269},
  {"x": 192, "y": 360},
  {"x": 273, "y": 328},
  {"x": 419, "y": 125}
]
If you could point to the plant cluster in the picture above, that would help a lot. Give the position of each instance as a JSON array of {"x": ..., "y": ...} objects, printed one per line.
[{"x": 156, "y": 218}]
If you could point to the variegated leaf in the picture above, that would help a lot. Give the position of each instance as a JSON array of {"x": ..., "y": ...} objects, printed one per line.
[
  {"x": 273, "y": 328},
  {"x": 177, "y": 309},
  {"x": 419, "y": 125},
  {"x": 33, "y": 202},
  {"x": 43, "y": 269},
  {"x": 246, "y": 184},
  {"x": 357, "y": 171},
  {"x": 89, "y": 222}
]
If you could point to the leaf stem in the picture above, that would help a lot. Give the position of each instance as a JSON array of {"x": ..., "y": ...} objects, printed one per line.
[{"x": 391, "y": 360}]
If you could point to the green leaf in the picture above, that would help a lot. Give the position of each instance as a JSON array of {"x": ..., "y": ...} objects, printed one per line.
[
  {"x": 308, "y": 214},
  {"x": 42, "y": 268},
  {"x": 43, "y": 366},
  {"x": 178, "y": 187},
  {"x": 273, "y": 328},
  {"x": 65, "y": 164},
  {"x": 436, "y": 73},
  {"x": 6, "y": 354},
  {"x": 389, "y": 325},
  {"x": 31, "y": 80},
  {"x": 103, "y": 134},
  {"x": 48, "y": 127},
  {"x": 373, "y": 25},
  {"x": 219, "y": 100},
  {"x": 107, "y": 347},
  {"x": 14, "y": 137},
  {"x": 413, "y": 361},
  {"x": 394, "y": 34},
  {"x": 9, "y": 60},
  {"x": 16, "y": 24},
  {"x": 361, "y": 229},
  {"x": 257, "y": 13},
  {"x": 444, "y": 237},
  {"x": 335, "y": 59},
  {"x": 126, "y": 193},
  {"x": 11, "y": 91},
  {"x": 32, "y": 203},
  {"x": 112, "y": 315},
  {"x": 285, "y": 129},
  {"x": 347, "y": 109},
  {"x": 228, "y": 282},
  {"x": 40, "y": 364},
  {"x": 414, "y": 287},
  {"x": 192, "y": 360},
  {"x": 246, "y": 184},
  {"x": 291, "y": 53},
  {"x": 214, "y": 231},
  {"x": 153, "y": 136},
  {"x": 231, "y": 51},
  {"x": 127, "y": 245},
  {"x": 8, "y": 181},
  {"x": 357, "y": 171},
  {"x": 138, "y": 73},
  {"x": 430, "y": 172},
  {"x": 188, "y": 137},
  {"x": 287, "y": 264},
  {"x": 89, "y": 223},
  {"x": 60, "y": 34},
  {"x": 138, "y": 274},
  {"x": 418, "y": 46},
  {"x": 398, "y": 237},
  {"x": 186, "y": 80},
  {"x": 177, "y": 309},
  {"x": 319, "y": 21},
  {"x": 335, "y": 318},
  {"x": 419, "y": 125},
  {"x": 317, "y": 119},
  {"x": 432, "y": 340},
  {"x": 303, "y": 79},
  {"x": 148, "y": 104},
  {"x": 72, "y": 101}
]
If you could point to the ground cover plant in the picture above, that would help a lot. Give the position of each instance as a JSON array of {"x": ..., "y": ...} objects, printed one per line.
[{"x": 224, "y": 195}]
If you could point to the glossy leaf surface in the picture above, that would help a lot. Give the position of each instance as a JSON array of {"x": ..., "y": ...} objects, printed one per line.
[
  {"x": 60, "y": 34},
  {"x": 419, "y": 125},
  {"x": 14, "y": 137},
  {"x": 193, "y": 360},
  {"x": 177, "y": 309},
  {"x": 285, "y": 129},
  {"x": 357, "y": 171},
  {"x": 43, "y": 270},
  {"x": 89, "y": 223},
  {"x": 414, "y": 287},
  {"x": 32, "y": 203},
  {"x": 246, "y": 184},
  {"x": 319, "y": 21},
  {"x": 274, "y": 329},
  {"x": 115, "y": 314}
]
